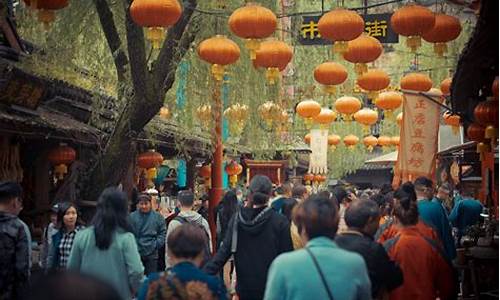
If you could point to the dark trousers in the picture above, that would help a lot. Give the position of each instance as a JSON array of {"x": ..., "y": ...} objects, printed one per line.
[{"x": 150, "y": 263}]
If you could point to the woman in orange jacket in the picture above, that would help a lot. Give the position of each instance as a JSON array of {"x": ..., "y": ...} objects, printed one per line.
[{"x": 427, "y": 273}]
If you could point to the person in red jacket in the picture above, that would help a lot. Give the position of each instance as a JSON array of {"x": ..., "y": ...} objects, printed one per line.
[{"x": 426, "y": 271}]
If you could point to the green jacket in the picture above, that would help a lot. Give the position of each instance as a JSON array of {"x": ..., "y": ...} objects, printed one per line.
[
  {"x": 293, "y": 275},
  {"x": 149, "y": 231},
  {"x": 120, "y": 265}
]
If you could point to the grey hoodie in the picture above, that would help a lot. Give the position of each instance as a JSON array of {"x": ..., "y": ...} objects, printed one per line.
[{"x": 193, "y": 218}]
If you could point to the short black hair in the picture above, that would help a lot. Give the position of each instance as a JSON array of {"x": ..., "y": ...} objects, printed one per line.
[
  {"x": 143, "y": 197},
  {"x": 61, "y": 211},
  {"x": 318, "y": 216},
  {"x": 359, "y": 213},
  {"x": 260, "y": 188},
  {"x": 187, "y": 241},
  {"x": 339, "y": 193},
  {"x": 298, "y": 191},
  {"x": 9, "y": 190},
  {"x": 186, "y": 198},
  {"x": 423, "y": 181}
]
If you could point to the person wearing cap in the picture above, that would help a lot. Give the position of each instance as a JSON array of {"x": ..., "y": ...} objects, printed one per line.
[
  {"x": 47, "y": 236},
  {"x": 14, "y": 244},
  {"x": 149, "y": 230},
  {"x": 257, "y": 234}
]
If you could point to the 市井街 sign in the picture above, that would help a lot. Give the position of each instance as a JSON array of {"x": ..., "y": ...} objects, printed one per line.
[{"x": 376, "y": 25}]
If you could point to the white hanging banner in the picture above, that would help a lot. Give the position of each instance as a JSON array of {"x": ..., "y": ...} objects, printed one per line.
[{"x": 318, "y": 163}]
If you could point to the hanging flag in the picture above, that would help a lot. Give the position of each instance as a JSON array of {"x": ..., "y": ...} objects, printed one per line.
[
  {"x": 318, "y": 163},
  {"x": 419, "y": 138}
]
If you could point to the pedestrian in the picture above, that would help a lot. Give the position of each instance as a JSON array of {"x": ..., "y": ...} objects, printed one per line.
[
  {"x": 188, "y": 215},
  {"x": 321, "y": 270},
  {"x": 186, "y": 245},
  {"x": 47, "y": 235},
  {"x": 68, "y": 224},
  {"x": 282, "y": 193},
  {"x": 149, "y": 230},
  {"x": 203, "y": 206},
  {"x": 362, "y": 218},
  {"x": 71, "y": 286},
  {"x": 287, "y": 211},
  {"x": 343, "y": 200},
  {"x": 434, "y": 215},
  {"x": 426, "y": 270},
  {"x": 255, "y": 237},
  {"x": 466, "y": 212},
  {"x": 14, "y": 247},
  {"x": 107, "y": 249},
  {"x": 443, "y": 197},
  {"x": 224, "y": 211}
]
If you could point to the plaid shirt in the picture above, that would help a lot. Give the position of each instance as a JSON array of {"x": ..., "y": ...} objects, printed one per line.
[{"x": 66, "y": 245}]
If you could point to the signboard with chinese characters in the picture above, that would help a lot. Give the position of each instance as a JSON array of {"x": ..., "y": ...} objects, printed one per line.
[
  {"x": 319, "y": 151},
  {"x": 419, "y": 138},
  {"x": 22, "y": 89},
  {"x": 377, "y": 26}
]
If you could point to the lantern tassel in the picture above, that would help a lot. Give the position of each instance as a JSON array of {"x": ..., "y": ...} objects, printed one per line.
[
  {"x": 455, "y": 130},
  {"x": 333, "y": 147},
  {"x": 360, "y": 68},
  {"x": 233, "y": 179},
  {"x": 490, "y": 132},
  {"x": 389, "y": 115},
  {"x": 46, "y": 16},
  {"x": 155, "y": 35},
  {"x": 272, "y": 75},
  {"x": 340, "y": 47},
  {"x": 218, "y": 72},
  {"x": 329, "y": 89},
  {"x": 252, "y": 45},
  {"x": 482, "y": 148},
  {"x": 308, "y": 122},
  {"x": 151, "y": 173},
  {"x": 413, "y": 42},
  {"x": 370, "y": 148},
  {"x": 440, "y": 49}
]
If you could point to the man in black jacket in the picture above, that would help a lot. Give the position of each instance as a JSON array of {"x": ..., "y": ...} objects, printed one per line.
[
  {"x": 362, "y": 218},
  {"x": 14, "y": 248},
  {"x": 256, "y": 235}
]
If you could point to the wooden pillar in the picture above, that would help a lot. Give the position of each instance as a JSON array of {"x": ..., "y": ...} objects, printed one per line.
[
  {"x": 191, "y": 173},
  {"x": 216, "y": 191}
]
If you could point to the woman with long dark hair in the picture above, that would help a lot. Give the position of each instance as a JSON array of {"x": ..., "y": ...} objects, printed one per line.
[
  {"x": 224, "y": 212},
  {"x": 427, "y": 275},
  {"x": 68, "y": 224},
  {"x": 107, "y": 249}
]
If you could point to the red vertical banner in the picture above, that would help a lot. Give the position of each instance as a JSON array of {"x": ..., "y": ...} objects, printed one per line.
[{"x": 418, "y": 138}]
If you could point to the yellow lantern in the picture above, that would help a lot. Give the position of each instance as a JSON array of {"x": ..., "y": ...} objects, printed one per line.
[
  {"x": 370, "y": 142},
  {"x": 366, "y": 117}
]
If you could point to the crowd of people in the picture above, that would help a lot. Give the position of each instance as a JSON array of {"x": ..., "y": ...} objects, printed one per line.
[{"x": 275, "y": 243}]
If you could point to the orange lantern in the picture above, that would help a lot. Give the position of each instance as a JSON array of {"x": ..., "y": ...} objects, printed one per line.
[
  {"x": 252, "y": 22},
  {"x": 330, "y": 74},
  {"x": 325, "y": 117},
  {"x": 308, "y": 109},
  {"x": 384, "y": 141},
  {"x": 389, "y": 101},
  {"x": 350, "y": 141},
  {"x": 363, "y": 50},
  {"x": 164, "y": 113},
  {"x": 399, "y": 119},
  {"x": 60, "y": 157},
  {"x": 494, "y": 88},
  {"x": 319, "y": 178},
  {"x": 274, "y": 56},
  {"x": 340, "y": 26},
  {"x": 370, "y": 142},
  {"x": 445, "y": 86},
  {"x": 220, "y": 52},
  {"x": 416, "y": 82},
  {"x": 333, "y": 141},
  {"x": 453, "y": 121},
  {"x": 347, "y": 106},
  {"x": 374, "y": 81},
  {"x": 46, "y": 9},
  {"x": 307, "y": 139},
  {"x": 476, "y": 133},
  {"x": 395, "y": 141},
  {"x": 486, "y": 115},
  {"x": 446, "y": 29},
  {"x": 412, "y": 21},
  {"x": 366, "y": 117},
  {"x": 149, "y": 160},
  {"x": 308, "y": 178},
  {"x": 233, "y": 169},
  {"x": 155, "y": 15}
]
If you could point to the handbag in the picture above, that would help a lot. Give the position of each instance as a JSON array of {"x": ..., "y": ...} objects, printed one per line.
[{"x": 330, "y": 296}]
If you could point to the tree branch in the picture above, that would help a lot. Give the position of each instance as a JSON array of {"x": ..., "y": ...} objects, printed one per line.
[
  {"x": 114, "y": 42},
  {"x": 167, "y": 61}
]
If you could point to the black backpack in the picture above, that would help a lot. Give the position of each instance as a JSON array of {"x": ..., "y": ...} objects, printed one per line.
[{"x": 206, "y": 251}]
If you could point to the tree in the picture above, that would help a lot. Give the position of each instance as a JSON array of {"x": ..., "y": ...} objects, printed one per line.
[{"x": 149, "y": 85}]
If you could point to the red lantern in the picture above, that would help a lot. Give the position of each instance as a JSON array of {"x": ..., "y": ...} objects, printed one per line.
[
  {"x": 486, "y": 115},
  {"x": 220, "y": 52},
  {"x": 446, "y": 29},
  {"x": 333, "y": 141},
  {"x": 155, "y": 15},
  {"x": 149, "y": 160},
  {"x": 363, "y": 50},
  {"x": 416, "y": 82},
  {"x": 370, "y": 142},
  {"x": 445, "y": 86},
  {"x": 308, "y": 178},
  {"x": 60, "y": 157},
  {"x": 412, "y": 21},
  {"x": 330, "y": 74},
  {"x": 274, "y": 56},
  {"x": 205, "y": 171},
  {"x": 476, "y": 133},
  {"x": 453, "y": 121},
  {"x": 341, "y": 25},
  {"x": 233, "y": 169}
]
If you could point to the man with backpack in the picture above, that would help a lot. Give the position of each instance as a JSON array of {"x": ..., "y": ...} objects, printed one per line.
[{"x": 187, "y": 215}]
